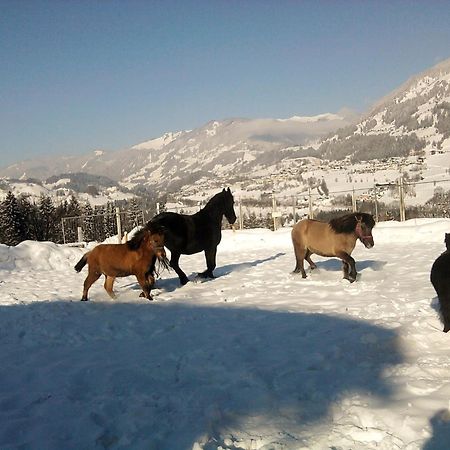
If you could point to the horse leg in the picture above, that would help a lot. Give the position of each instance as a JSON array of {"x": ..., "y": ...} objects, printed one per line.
[
  {"x": 300, "y": 254},
  {"x": 149, "y": 275},
  {"x": 91, "y": 278},
  {"x": 109, "y": 282},
  {"x": 210, "y": 256},
  {"x": 352, "y": 274},
  {"x": 349, "y": 266},
  {"x": 174, "y": 258},
  {"x": 146, "y": 282},
  {"x": 150, "y": 279},
  {"x": 345, "y": 269},
  {"x": 308, "y": 258},
  {"x": 444, "y": 311}
]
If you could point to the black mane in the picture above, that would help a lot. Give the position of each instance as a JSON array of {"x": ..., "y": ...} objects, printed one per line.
[
  {"x": 347, "y": 223},
  {"x": 215, "y": 201}
]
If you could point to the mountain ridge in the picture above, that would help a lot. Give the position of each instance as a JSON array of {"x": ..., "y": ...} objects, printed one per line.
[
  {"x": 234, "y": 133},
  {"x": 413, "y": 119}
]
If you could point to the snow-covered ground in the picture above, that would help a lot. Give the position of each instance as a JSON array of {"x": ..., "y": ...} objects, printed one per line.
[{"x": 257, "y": 358}]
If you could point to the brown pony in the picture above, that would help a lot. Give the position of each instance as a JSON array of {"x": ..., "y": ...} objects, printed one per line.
[
  {"x": 335, "y": 238},
  {"x": 136, "y": 257}
]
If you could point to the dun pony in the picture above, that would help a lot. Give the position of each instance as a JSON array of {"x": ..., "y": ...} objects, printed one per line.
[
  {"x": 336, "y": 238},
  {"x": 440, "y": 279},
  {"x": 136, "y": 257}
]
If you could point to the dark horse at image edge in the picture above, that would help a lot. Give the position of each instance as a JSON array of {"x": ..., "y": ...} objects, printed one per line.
[
  {"x": 188, "y": 234},
  {"x": 440, "y": 279}
]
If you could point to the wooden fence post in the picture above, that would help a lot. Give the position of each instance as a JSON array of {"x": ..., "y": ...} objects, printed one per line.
[
  {"x": 311, "y": 212},
  {"x": 119, "y": 225}
]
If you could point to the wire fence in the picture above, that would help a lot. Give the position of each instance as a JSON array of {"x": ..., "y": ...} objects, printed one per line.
[
  {"x": 98, "y": 227},
  {"x": 397, "y": 200},
  {"x": 400, "y": 200}
]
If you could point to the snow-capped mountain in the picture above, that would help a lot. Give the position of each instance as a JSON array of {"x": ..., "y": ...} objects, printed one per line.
[
  {"x": 228, "y": 150},
  {"x": 413, "y": 118},
  {"x": 231, "y": 147},
  {"x": 158, "y": 143},
  {"x": 96, "y": 189}
]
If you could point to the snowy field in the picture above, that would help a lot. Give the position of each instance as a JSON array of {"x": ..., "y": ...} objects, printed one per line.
[{"x": 257, "y": 358}]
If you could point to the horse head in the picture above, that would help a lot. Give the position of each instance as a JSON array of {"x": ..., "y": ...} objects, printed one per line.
[
  {"x": 228, "y": 206},
  {"x": 155, "y": 238},
  {"x": 155, "y": 244},
  {"x": 363, "y": 229},
  {"x": 447, "y": 241}
]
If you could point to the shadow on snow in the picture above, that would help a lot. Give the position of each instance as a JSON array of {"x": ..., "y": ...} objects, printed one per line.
[
  {"x": 334, "y": 264},
  {"x": 161, "y": 376},
  {"x": 171, "y": 284},
  {"x": 440, "y": 424},
  {"x": 227, "y": 269}
]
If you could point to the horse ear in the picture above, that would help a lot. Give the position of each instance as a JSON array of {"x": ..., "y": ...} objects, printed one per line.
[
  {"x": 229, "y": 190},
  {"x": 223, "y": 190}
]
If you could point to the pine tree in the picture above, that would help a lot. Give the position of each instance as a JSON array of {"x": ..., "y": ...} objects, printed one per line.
[
  {"x": 135, "y": 214},
  {"x": 60, "y": 213},
  {"x": 324, "y": 187},
  {"x": 99, "y": 223},
  {"x": 73, "y": 210},
  {"x": 88, "y": 223},
  {"x": 30, "y": 213},
  {"x": 110, "y": 220},
  {"x": 47, "y": 219},
  {"x": 12, "y": 220}
]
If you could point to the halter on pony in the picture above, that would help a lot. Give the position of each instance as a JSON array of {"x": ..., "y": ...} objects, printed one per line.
[{"x": 359, "y": 232}]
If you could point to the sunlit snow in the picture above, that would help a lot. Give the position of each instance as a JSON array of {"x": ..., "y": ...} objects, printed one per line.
[{"x": 257, "y": 358}]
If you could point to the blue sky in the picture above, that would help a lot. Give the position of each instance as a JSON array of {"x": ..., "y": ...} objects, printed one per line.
[{"x": 82, "y": 75}]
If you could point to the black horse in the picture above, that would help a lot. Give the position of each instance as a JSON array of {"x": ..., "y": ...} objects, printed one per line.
[
  {"x": 189, "y": 234},
  {"x": 440, "y": 279}
]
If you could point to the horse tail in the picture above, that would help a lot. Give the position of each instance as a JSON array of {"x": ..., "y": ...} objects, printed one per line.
[{"x": 81, "y": 263}]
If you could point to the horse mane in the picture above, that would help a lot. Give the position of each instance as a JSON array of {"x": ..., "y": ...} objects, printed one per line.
[
  {"x": 347, "y": 223},
  {"x": 135, "y": 242},
  {"x": 154, "y": 227},
  {"x": 214, "y": 200}
]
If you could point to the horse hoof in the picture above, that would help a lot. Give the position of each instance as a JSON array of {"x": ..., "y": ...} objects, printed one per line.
[
  {"x": 349, "y": 279},
  {"x": 84, "y": 300}
]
